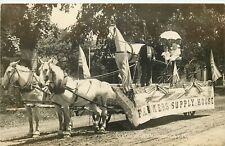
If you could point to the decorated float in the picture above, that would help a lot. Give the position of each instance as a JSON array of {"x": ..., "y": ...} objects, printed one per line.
[{"x": 161, "y": 99}]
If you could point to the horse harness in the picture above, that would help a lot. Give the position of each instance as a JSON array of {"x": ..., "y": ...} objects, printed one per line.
[
  {"x": 28, "y": 86},
  {"x": 132, "y": 51},
  {"x": 75, "y": 92},
  {"x": 61, "y": 87},
  {"x": 79, "y": 96}
]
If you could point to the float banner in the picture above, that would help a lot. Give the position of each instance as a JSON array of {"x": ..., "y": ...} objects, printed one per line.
[{"x": 169, "y": 104}]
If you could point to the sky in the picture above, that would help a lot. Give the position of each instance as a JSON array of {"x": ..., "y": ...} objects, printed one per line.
[{"x": 63, "y": 19}]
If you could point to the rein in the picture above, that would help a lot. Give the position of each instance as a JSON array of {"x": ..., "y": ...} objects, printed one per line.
[
  {"x": 108, "y": 74},
  {"x": 32, "y": 86},
  {"x": 11, "y": 76},
  {"x": 79, "y": 96},
  {"x": 71, "y": 90}
]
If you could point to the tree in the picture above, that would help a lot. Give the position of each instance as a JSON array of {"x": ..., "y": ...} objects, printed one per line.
[
  {"x": 23, "y": 25},
  {"x": 200, "y": 25}
]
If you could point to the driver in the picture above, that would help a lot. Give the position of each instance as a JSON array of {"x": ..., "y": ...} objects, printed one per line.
[{"x": 146, "y": 56}]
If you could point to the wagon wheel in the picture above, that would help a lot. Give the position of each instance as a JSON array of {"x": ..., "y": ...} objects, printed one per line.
[{"x": 189, "y": 114}]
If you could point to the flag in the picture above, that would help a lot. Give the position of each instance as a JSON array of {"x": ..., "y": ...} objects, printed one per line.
[
  {"x": 121, "y": 57},
  {"x": 215, "y": 72},
  {"x": 121, "y": 44},
  {"x": 176, "y": 77},
  {"x": 83, "y": 64},
  {"x": 124, "y": 70}
]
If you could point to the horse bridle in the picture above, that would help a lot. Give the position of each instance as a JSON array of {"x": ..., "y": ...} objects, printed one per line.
[
  {"x": 16, "y": 71},
  {"x": 10, "y": 77}
]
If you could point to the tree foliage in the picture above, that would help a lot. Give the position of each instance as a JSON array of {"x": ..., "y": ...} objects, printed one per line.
[
  {"x": 201, "y": 26},
  {"x": 22, "y": 26}
]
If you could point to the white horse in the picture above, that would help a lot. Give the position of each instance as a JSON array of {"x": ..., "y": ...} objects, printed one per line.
[
  {"x": 132, "y": 50},
  {"x": 25, "y": 79},
  {"x": 122, "y": 45},
  {"x": 88, "y": 92}
]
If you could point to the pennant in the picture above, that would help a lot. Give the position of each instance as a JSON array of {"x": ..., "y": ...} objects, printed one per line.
[
  {"x": 83, "y": 64},
  {"x": 121, "y": 58},
  {"x": 176, "y": 77},
  {"x": 121, "y": 44},
  {"x": 215, "y": 72}
]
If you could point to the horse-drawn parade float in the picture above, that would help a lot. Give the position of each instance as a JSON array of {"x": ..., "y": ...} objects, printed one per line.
[
  {"x": 143, "y": 103},
  {"x": 138, "y": 102}
]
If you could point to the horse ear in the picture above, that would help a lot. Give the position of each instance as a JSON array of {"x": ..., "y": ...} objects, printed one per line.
[
  {"x": 50, "y": 61},
  {"x": 54, "y": 61},
  {"x": 13, "y": 64},
  {"x": 17, "y": 61},
  {"x": 40, "y": 61}
]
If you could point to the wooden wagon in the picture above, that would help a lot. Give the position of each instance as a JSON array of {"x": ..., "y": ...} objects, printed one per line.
[{"x": 156, "y": 101}]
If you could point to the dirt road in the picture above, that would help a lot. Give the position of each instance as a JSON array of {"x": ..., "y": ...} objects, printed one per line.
[{"x": 206, "y": 128}]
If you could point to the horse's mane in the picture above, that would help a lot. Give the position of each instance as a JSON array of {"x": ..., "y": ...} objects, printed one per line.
[
  {"x": 58, "y": 73},
  {"x": 22, "y": 68}
]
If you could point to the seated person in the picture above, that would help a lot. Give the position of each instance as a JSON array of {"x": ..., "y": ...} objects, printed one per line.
[
  {"x": 166, "y": 55},
  {"x": 175, "y": 52}
]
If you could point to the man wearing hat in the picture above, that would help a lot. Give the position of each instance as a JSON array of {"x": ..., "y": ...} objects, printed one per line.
[{"x": 146, "y": 56}]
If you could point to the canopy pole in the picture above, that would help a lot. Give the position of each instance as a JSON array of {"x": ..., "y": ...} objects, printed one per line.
[
  {"x": 89, "y": 58},
  {"x": 78, "y": 65}
]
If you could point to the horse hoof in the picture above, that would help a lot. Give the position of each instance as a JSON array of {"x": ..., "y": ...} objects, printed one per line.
[
  {"x": 36, "y": 134},
  {"x": 96, "y": 129},
  {"x": 101, "y": 131},
  {"x": 66, "y": 134},
  {"x": 30, "y": 134}
]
